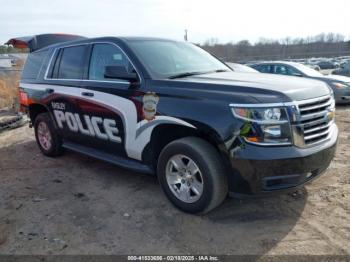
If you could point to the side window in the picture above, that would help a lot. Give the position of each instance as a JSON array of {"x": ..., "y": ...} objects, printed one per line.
[
  {"x": 106, "y": 55},
  {"x": 280, "y": 70},
  {"x": 285, "y": 70},
  {"x": 292, "y": 71},
  {"x": 69, "y": 63},
  {"x": 33, "y": 65},
  {"x": 265, "y": 68}
]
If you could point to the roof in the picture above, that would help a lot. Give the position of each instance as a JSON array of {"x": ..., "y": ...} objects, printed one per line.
[
  {"x": 106, "y": 39},
  {"x": 37, "y": 42},
  {"x": 276, "y": 62},
  {"x": 144, "y": 38}
]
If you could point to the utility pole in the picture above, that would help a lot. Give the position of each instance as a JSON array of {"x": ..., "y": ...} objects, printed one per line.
[{"x": 185, "y": 36}]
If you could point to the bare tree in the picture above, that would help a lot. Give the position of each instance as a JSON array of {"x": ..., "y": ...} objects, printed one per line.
[{"x": 323, "y": 44}]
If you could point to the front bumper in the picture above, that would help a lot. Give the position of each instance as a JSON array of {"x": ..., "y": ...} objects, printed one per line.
[{"x": 260, "y": 170}]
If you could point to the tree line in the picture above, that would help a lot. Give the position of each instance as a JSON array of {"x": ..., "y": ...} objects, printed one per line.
[
  {"x": 9, "y": 49},
  {"x": 321, "y": 45}
]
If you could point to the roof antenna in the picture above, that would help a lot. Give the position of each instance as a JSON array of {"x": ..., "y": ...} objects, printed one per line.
[{"x": 185, "y": 36}]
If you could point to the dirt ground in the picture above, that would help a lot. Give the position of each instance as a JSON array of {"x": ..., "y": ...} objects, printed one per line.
[{"x": 78, "y": 205}]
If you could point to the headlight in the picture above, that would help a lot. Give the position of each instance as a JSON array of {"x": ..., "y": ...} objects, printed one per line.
[
  {"x": 261, "y": 115},
  {"x": 339, "y": 85},
  {"x": 265, "y": 126}
]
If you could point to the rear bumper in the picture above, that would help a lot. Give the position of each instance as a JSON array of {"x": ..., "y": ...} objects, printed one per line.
[{"x": 261, "y": 170}]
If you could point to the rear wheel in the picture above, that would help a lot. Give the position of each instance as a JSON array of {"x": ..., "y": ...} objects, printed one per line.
[
  {"x": 192, "y": 175},
  {"x": 46, "y": 137}
]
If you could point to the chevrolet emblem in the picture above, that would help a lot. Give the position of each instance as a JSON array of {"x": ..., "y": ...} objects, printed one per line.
[{"x": 330, "y": 115}]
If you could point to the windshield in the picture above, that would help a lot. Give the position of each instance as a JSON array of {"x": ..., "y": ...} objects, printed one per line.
[
  {"x": 308, "y": 70},
  {"x": 164, "y": 59}
]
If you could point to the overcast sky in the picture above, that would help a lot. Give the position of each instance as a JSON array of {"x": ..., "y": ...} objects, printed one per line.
[{"x": 227, "y": 20}]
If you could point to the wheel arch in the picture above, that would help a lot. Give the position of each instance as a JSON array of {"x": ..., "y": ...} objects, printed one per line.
[
  {"x": 164, "y": 134},
  {"x": 35, "y": 109}
]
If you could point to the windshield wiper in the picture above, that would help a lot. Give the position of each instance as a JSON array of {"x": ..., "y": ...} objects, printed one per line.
[
  {"x": 186, "y": 74},
  {"x": 196, "y": 73},
  {"x": 221, "y": 70}
]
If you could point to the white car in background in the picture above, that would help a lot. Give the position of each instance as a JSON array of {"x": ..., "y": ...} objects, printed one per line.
[{"x": 241, "y": 68}]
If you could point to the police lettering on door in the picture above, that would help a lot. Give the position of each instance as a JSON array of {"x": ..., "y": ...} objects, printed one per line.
[{"x": 93, "y": 123}]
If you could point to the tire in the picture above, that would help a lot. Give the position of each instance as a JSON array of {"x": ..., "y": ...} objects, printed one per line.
[
  {"x": 210, "y": 170},
  {"x": 54, "y": 147}
]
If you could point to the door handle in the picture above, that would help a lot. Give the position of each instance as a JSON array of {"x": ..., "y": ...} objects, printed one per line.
[
  {"x": 49, "y": 90},
  {"x": 89, "y": 94}
]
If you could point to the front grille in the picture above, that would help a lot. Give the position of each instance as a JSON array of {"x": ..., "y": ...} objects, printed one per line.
[{"x": 314, "y": 119}]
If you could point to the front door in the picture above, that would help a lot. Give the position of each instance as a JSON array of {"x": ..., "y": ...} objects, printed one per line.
[{"x": 108, "y": 106}]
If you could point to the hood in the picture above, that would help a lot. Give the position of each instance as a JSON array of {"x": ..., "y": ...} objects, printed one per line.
[
  {"x": 338, "y": 78},
  {"x": 295, "y": 88}
]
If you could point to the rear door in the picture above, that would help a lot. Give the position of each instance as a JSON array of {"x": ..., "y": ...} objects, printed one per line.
[{"x": 64, "y": 77}]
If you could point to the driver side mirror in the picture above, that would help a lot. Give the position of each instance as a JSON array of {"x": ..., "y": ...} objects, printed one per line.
[{"x": 119, "y": 72}]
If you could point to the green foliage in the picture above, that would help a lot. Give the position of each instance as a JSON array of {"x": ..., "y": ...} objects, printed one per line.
[
  {"x": 8, "y": 49},
  {"x": 246, "y": 128}
]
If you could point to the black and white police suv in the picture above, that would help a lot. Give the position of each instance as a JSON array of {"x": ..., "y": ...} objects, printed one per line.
[{"x": 172, "y": 109}]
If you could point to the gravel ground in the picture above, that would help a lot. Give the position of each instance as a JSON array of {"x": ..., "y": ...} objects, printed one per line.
[{"x": 78, "y": 205}]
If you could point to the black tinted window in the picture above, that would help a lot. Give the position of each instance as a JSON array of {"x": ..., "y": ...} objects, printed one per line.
[
  {"x": 33, "y": 65},
  {"x": 106, "y": 55},
  {"x": 71, "y": 64},
  {"x": 264, "y": 68},
  {"x": 285, "y": 70}
]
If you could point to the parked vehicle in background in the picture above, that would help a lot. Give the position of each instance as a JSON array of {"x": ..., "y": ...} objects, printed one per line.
[
  {"x": 343, "y": 62},
  {"x": 313, "y": 66},
  {"x": 339, "y": 84},
  {"x": 344, "y": 70},
  {"x": 241, "y": 68},
  {"x": 326, "y": 65},
  {"x": 5, "y": 62},
  {"x": 336, "y": 62}
]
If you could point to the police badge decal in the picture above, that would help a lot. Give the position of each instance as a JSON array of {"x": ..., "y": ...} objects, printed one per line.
[{"x": 149, "y": 108}]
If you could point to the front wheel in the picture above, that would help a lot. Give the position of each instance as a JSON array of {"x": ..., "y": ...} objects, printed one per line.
[{"x": 192, "y": 175}]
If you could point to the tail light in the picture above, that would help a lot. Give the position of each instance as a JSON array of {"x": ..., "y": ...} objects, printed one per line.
[
  {"x": 23, "y": 98},
  {"x": 24, "y": 101}
]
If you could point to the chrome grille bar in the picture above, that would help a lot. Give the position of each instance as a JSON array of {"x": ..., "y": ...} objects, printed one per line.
[
  {"x": 313, "y": 116},
  {"x": 310, "y": 108},
  {"x": 314, "y": 121}
]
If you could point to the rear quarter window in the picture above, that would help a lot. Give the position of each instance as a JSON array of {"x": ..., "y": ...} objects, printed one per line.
[{"x": 33, "y": 65}]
